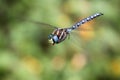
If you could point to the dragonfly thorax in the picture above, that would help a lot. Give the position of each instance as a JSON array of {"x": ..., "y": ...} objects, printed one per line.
[{"x": 58, "y": 35}]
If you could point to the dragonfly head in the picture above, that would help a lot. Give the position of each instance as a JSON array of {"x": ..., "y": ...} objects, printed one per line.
[{"x": 53, "y": 39}]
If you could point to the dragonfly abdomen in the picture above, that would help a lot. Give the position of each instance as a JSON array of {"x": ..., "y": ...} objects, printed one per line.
[{"x": 78, "y": 24}]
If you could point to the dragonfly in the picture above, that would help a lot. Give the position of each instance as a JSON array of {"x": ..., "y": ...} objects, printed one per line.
[{"x": 60, "y": 34}]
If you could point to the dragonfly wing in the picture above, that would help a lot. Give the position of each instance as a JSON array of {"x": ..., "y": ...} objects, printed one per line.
[
  {"x": 39, "y": 23},
  {"x": 42, "y": 24}
]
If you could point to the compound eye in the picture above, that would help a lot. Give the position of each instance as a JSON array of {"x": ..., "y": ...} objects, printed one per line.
[
  {"x": 50, "y": 36},
  {"x": 50, "y": 39},
  {"x": 55, "y": 39}
]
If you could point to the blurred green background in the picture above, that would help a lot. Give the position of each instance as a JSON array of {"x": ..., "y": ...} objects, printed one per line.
[{"x": 92, "y": 54}]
